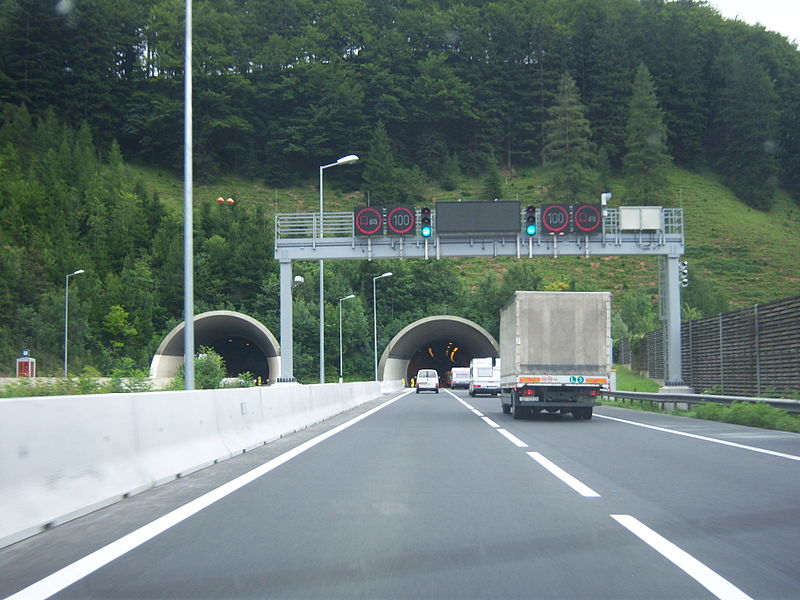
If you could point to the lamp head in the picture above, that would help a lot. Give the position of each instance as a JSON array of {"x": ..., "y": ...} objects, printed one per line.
[{"x": 346, "y": 160}]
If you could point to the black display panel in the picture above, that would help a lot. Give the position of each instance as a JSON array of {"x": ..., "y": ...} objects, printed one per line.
[
  {"x": 368, "y": 220},
  {"x": 478, "y": 218},
  {"x": 587, "y": 217},
  {"x": 401, "y": 220},
  {"x": 555, "y": 218}
]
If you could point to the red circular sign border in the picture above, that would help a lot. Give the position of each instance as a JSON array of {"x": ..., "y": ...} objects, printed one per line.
[
  {"x": 389, "y": 220},
  {"x": 373, "y": 211},
  {"x": 547, "y": 210},
  {"x": 595, "y": 210}
]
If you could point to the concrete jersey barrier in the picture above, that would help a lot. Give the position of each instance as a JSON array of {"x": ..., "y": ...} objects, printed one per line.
[{"x": 64, "y": 456}]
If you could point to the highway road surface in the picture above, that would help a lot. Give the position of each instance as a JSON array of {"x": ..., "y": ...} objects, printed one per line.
[{"x": 443, "y": 496}]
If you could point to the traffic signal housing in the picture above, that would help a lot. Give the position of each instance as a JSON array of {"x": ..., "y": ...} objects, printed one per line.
[
  {"x": 426, "y": 226},
  {"x": 683, "y": 273},
  {"x": 530, "y": 220}
]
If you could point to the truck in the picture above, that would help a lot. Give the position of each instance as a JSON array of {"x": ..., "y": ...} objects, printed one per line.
[
  {"x": 555, "y": 352},
  {"x": 484, "y": 376}
]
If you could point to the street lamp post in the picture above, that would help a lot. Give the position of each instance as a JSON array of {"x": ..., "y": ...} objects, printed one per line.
[
  {"x": 66, "y": 315},
  {"x": 345, "y": 160},
  {"x": 375, "y": 319},
  {"x": 188, "y": 243},
  {"x": 341, "y": 368}
]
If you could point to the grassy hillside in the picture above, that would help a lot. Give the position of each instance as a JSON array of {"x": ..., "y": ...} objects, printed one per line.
[{"x": 751, "y": 256}]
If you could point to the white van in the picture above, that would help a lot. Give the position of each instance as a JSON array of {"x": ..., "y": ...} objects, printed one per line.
[
  {"x": 484, "y": 376},
  {"x": 427, "y": 380},
  {"x": 459, "y": 377}
]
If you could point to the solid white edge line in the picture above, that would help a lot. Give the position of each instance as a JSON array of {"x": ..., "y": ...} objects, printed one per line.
[
  {"x": 709, "y": 579},
  {"x": 580, "y": 487},
  {"x": 512, "y": 438},
  {"x": 703, "y": 438},
  {"x": 72, "y": 573},
  {"x": 490, "y": 423},
  {"x": 477, "y": 412}
]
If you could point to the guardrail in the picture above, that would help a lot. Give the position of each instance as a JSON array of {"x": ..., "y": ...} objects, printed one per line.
[{"x": 675, "y": 401}]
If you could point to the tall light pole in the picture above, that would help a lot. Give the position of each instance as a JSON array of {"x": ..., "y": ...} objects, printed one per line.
[
  {"x": 188, "y": 246},
  {"x": 66, "y": 315},
  {"x": 341, "y": 368},
  {"x": 345, "y": 160},
  {"x": 375, "y": 319}
]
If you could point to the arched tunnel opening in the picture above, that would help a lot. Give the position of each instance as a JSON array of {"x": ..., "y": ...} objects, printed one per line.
[
  {"x": 440, "y": 342},
  {"x": 241, "y": 355},
  {"x": 441, "y": 355},
  {"x": 245, "y": 345}
]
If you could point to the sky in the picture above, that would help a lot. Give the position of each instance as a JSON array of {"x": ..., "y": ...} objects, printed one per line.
[{"x": 782, "y": 16}]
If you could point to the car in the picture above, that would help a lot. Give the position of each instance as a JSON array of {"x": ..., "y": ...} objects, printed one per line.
[{"x": 427, "y": 380}]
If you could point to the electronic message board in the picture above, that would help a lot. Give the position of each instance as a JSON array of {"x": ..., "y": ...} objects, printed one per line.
[
  {"x": 401, "y": 220},
  {"x": 587, "y": 218},
  {"x": 492, "y": 218},
  {"x": 555, "y": 218},
  {"x": 368, "y": 220}
]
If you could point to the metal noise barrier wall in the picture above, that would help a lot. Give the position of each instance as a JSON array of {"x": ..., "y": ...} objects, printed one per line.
[
  {"x": 64, "y": 456},
  {"x": 748, "y": 352}
]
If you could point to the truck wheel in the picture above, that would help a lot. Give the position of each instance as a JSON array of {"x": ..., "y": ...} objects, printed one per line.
[
  {"x": 506, "y": 408},
  {"x": 577, "y": 413},
  {"x": 588, "y": 413},
  {"x": 418, "y": 390}
]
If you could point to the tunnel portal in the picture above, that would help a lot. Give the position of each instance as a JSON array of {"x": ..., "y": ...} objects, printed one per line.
[
  {"x": 245, "y": 344},
  {"x": 440, "y": 342}
]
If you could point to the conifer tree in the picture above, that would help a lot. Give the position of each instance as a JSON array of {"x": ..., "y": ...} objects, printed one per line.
[
  {"x": 492, "y": 181},
  {"x": 380, "y": 169},
  {"x": 568, "y": 145},
  {"x": 746, "y": 128},
  {"x": 646, "y": 162}
]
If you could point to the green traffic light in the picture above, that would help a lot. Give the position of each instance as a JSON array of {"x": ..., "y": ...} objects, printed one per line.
[
  {"x": 530, "y": 229},
  {"x": 426, "y": 231}
]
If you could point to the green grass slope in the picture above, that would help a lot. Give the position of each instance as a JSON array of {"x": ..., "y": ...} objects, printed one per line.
[{"x": 751, "y": 256}]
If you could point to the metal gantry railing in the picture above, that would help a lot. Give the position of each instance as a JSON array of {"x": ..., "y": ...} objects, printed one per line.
[{"x": 341, "y": 224}]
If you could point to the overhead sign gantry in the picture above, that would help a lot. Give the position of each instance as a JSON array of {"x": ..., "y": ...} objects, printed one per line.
[{"x": 488, "y": 229}]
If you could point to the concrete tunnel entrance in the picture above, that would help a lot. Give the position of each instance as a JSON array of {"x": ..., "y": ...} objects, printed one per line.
[
  {"x": 245, "y": 344},
  {"x": 440, "y": 342}
]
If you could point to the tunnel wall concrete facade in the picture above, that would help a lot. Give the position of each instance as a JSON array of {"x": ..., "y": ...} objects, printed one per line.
[
  {"x": 399, "y": 351},
  {"x": 212, "y": 325}
]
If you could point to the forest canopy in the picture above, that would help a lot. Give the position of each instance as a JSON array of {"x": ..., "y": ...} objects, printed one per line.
[{"x": 280, "y": 83}]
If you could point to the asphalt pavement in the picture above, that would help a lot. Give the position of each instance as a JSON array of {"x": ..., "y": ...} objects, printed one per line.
[{"x": 443, "y": 496}]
